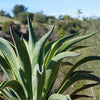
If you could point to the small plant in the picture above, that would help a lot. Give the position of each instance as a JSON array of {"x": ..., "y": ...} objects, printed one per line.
[
  {"x": 6, "y": 27},
  {"x": 33, "y": 68}
]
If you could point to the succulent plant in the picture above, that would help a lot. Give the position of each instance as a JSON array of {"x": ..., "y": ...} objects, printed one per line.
[{"x": 32, "y": 67}]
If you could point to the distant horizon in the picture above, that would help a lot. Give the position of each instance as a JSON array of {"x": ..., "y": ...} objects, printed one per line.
[{"x": 56, "y": 7}]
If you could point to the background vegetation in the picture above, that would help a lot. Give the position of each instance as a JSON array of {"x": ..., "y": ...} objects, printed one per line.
[{"x": 65, "y": 25}]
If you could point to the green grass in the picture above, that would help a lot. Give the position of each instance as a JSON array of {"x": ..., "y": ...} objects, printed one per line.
[{"x": 1, "y": 23}]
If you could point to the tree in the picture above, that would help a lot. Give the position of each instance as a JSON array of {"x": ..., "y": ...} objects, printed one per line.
[
  {"x": 2, "y": 13},
  {"x": 70, "y": 25},
  {"x": 22, "y": 17},
  {"x": 51, "y": 21},
  {"x": 40, "y": 17},
  {"x": 61, "y": 17},
  {"x": 8, "y": 15},
  {"x": 79, "y": 12},
  {"x": 31, "y": 15},
  {"x": 51, "y": 17},
  {"x": 18, "y": 9},
  {"x": 67, "y": 18}
]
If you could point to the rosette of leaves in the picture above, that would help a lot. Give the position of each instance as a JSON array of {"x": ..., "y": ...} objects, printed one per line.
[{"x": 32, "y": 67}]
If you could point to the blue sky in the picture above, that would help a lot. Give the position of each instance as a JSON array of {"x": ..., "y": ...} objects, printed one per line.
[{"x": 55, "y": 7}]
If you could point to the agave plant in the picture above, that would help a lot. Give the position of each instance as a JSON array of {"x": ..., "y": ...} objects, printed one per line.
[{"x": 32, "y": 67}]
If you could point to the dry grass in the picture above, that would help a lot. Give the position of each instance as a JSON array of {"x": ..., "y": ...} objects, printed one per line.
[{"x": 4, "y": 19}]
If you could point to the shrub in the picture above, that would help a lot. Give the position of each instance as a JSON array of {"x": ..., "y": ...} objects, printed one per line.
[
  {"x": 8, "y": 15},
  {"x": 22, "y": 17},
  {"x": 40, "y": 17},
  {"x": 31, "y": 15},
  {"x": 51, "y": 21},
  {"x": 4, "y": 13},
  {"x": 71, "y": 26},
  {"x": 6, "y": 27},
  {"x": 61, "y": 33},
  {"x": 33, "y": 68}
]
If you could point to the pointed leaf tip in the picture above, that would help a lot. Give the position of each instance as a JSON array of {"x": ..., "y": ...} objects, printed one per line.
[{"x": 59, "y": 97}]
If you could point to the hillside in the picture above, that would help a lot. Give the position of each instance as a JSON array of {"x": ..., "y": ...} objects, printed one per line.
[
  {"x": 93, "y": 49},
  {"x": 40, "y": 28},
  {"x": 4, "y": 19}
]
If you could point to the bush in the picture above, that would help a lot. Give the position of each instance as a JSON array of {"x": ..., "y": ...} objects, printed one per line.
[
  {"x": 6, "y": 27},
  {"x": 8, "y": 15},
  {"x": 51, "y": 21},
  {"x": 61, "y": 33},
  {"x": 22, "y": 17},
  {"x": 70, "y": 26},
  {"x": 31, "y": 15},
  {"x": 40, "y": 17}
]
